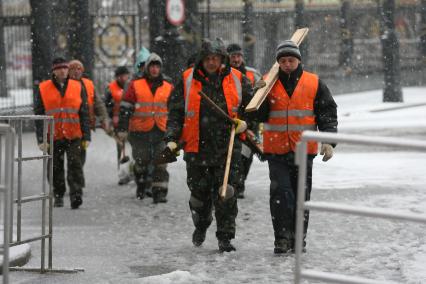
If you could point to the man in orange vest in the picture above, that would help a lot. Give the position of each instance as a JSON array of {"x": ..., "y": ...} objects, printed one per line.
[
  {"x": 64, "y": 99},
  {"x": 143, "y": 113},
  {"x": 96, "y": 106},
  {"x": 113, "y": 95},
  {"x": 298, "y": 101},
  {"x": 205, "y": 136},
  {"x": 236, "y": 59}
]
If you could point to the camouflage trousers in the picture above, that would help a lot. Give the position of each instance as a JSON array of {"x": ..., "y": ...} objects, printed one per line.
[
  {"x": 147, "y": 174},
  {"x": 204, "y": 183},
  {"x": 245, "y": 164},
  {"x": 75, "y": 176}
]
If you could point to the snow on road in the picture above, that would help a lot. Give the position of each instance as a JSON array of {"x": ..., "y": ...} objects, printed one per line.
[{"x": 118, "y": 239}]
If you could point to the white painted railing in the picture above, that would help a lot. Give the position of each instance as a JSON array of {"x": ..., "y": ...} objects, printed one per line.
[{"x": 302, "y": 205}]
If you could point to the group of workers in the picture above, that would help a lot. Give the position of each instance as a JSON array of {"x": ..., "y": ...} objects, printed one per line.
[{"x": 198, "y": 115}]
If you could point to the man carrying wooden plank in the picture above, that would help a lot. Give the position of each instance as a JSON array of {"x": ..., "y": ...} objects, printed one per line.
[{"x": 297, "y": 101}]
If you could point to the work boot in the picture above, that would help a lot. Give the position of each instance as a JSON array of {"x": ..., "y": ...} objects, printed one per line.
[
  {"x": 148, "y": 192},
  {"x": 124, "y": 180},
  {"x": 282, "y": 246},
  {"x": 198, "y": 237},
  {"x": 240, "y": 194},
  {"x": 294, "y": 245},
  {"x": 226, "y": 246},
  {"x": 140, "y": 191},
  {"x": 58, "y": 202},
  {"x": 159, "y": 196},
  {"x": 76, "y": 201}
]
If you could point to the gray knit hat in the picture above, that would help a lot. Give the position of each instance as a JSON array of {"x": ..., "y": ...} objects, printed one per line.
[{"x": 288, "y": 48}]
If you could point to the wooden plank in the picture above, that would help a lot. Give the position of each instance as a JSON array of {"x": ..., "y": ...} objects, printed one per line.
[{"x": 261, "y": 94}]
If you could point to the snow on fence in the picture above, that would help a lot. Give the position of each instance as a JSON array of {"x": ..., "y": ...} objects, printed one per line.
[{"x": 302, "y": 205}]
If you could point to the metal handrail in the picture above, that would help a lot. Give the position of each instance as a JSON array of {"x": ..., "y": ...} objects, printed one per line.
[
  {"x": 46, "y": 196},
  {"x": 302, "y": 205},
  {"x": 6, "y": 188}
]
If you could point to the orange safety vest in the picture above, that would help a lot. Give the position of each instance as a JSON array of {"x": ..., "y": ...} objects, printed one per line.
[
  {"x": 289, "y": 116},
  {"x": 117, "y": 94},
  {"x": 251, "y": 75},
  {"x": 150, "y": 109},
  {"x": 232, "y": 91},
  {"x": 90, "y": 90},
  {"x": 65, "y": 110}
]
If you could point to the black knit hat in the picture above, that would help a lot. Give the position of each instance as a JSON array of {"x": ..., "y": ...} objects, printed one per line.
[
  {"x": 59, "y": 62},
  {"x": 288, "y": 48},
  {"x": 234, "y": 48},
  {"x": 121, "y": 70}
]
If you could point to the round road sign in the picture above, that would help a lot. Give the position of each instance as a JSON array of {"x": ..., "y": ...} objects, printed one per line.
[{"x": 175, "y": 11}]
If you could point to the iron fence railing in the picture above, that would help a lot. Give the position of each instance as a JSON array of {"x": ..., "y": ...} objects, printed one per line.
[
  {"x": 302, "y": 205},
  {"x": 6, "y": 180},
  {"x": 121, "y": 27}
]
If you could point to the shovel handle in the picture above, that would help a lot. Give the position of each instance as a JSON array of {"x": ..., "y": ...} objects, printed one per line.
[
  {"x": 123, "y": 150},
  {"x": 216, "y": 107},
  {"x": 222, "y": 192}
]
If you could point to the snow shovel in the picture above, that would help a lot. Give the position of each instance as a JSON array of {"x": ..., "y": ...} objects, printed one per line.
[
  {"x": 124, "y": 158},
  {"x": 226, "y": 191}
]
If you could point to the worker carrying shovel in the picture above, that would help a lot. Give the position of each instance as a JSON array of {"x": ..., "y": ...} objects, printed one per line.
[{"x": 205, "y": 136}]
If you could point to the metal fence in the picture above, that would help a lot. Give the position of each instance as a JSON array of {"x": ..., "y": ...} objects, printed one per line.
[
  {"x": 121, "y": 27},
  {"x": 302, "y": 205},
  {"x": 16, "y": 194},
  {"x": 272, "y": 25},
  {"x": 15, "y": 57},
  {"x": 17, "y": 198},
  {"x": 6, "y": 180}
]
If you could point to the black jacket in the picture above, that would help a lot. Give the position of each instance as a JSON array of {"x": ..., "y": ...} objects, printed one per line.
[
  {"x": 325, "y": 107},
  {"x": 214, "y": 131},
  {"x": 83, "y": 113}
]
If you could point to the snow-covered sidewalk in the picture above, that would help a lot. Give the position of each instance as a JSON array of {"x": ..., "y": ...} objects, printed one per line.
[{"x": 118, "y": 239}]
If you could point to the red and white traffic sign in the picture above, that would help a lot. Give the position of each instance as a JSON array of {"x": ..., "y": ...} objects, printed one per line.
[{"x": 175, "y": 12}]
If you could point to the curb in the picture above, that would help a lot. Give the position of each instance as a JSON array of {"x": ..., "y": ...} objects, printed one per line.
[{"x": 18, "y": 256}]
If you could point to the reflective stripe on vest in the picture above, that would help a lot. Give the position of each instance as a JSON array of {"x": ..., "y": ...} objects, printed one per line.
[
  {"x": 90, "y": 90},
  {"x": 150, "y": 109},
  {"x": 62, "y": 109},
  {"x": 253, "y": 75},
  {"x": 285, "y": 113},
  {"x": 288, "y": 127},
  {"x": 232, "y": 91},
  {"x": 290, "y": 116},
  {"x": 116, "y": 94},
  {"x": 65, "y": 110}
]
